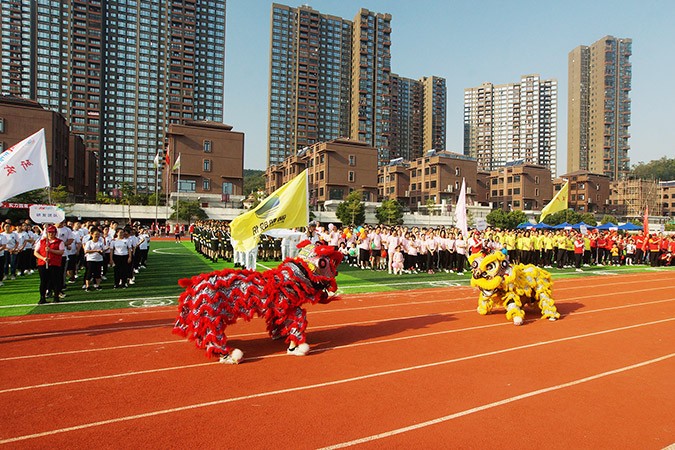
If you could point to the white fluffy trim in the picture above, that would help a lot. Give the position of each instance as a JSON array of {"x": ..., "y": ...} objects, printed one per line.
[{"x": 300, "y": 350}]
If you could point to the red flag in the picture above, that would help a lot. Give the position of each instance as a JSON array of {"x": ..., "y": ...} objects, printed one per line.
[
  {"x": 167, "y": 157},
  {"x": 645, "y": 229}
]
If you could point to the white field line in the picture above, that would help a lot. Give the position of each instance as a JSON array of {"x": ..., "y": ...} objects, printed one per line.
[
  {"x": 385, "y": 293},
  {"x": 360, "y": 378},
  {"x": 327, "y": 327},
  {"x": 496, "y": 404},
  {"x": 339, "y": 347},
  {"x": 321, "y": 311},
  {"x": 352, "y": 297}
]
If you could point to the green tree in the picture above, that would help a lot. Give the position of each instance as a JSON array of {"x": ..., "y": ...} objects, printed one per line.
[
  {"x": 102, "y": 197},
  {"x": 352, "y": 211},
  {"x": 152, "y": 198},
  {"x": 661, "y": 169},
  {"x": 390, "y": 213},
  {"x": 608, "y": 218},
  {"x": 588, "y": 218},
  {"x": 430, "y": 205},
  {"x": 566, "y": 215},
  {"x": 254, "y": 181},
  {"x": 189, "y": 210},
  {"x": 515, "y": 218},
  {"x": 497, "y": 219}
]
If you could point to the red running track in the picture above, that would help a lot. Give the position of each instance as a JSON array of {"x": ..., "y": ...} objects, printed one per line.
[{"x": 389, "y": 370}]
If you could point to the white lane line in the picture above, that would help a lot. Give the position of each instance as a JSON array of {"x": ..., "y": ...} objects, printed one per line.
[
  {"x": 313, "y": 312},
  {"x": 496, "y": 404},
  {"x": 332, "y": 383},
  {"x": 351, "y": 296},
  {"x": 317, "y": 350}
]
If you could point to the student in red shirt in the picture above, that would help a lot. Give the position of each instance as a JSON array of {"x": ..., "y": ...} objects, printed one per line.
[{"x": 48, "y": 252}]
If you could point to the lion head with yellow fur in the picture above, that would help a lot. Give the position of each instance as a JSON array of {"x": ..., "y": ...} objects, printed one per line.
[{"x": 488, "y": 271}]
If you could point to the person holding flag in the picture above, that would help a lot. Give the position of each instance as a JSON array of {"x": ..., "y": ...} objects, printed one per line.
[
  {"x": 48, "y": 252},
  {"x": 287, "y": 207}
]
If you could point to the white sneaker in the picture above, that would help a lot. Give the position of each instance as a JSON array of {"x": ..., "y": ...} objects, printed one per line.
[
  {"x": 132, "y": 282},
  {"x": 233, "y": 358},
  {"x": 579, "y": 270},
  {"x": 300, "y": 350}
]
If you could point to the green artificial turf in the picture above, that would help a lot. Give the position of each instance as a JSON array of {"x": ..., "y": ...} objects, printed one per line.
[{"x": 169, "y": 261}]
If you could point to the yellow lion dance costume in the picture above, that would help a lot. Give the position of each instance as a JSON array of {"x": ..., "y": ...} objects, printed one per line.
[{"x": 500, "y": 282}]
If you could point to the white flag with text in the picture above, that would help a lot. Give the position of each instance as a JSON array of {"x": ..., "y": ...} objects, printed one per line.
[{"x": 23, "y": 167}]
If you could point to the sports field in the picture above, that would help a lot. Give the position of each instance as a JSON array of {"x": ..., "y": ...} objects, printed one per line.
[{"x": 396, "y": 362}]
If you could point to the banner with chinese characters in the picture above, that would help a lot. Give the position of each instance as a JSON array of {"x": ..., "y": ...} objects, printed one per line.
[{"x": 23, "y": 167}]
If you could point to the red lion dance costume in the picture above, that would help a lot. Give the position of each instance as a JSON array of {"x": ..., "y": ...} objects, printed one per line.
[{"x": 215, "y": 300}]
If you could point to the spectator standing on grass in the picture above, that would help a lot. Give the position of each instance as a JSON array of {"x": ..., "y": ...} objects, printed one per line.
[
  {"x": 93, "y": 254},
  {"x": 176, "y": 232},
  {"x": 578, "y": 251},
  {"x": 144, "y": 248},
  {"x": 49, "y": 251},
  {"x": 3, "y": 256},
  {"x": 11, "y": 251},
  {"x": 120, "y": 259}
]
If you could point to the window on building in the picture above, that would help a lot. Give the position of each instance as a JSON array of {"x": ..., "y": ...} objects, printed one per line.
[
  {"x": 207, "y": 165},
  {"x": 207, "y": 146},
  {"x": 536, "y": 192},
  {"x": 536, "y": 180},
  {"x": 516, "y": 191},
  {"x": 457, "y": 172},
  {"x": 351, "y": 176},
  {"x": 206, "y": 184},
  {"x": 352, "y": 161},
  {"x": 187, "y": 186},
  {"x": 2, "y": 125},
  {"x": 2, "y": 146}
]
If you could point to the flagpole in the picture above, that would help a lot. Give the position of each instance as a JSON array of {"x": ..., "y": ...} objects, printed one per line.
[
  {"x": 178, "y": 190},
  {"x": 156, "y": 194}
]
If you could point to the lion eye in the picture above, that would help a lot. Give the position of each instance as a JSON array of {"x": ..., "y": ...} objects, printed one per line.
[
  {"x": 322, "y": 263},
  {"x": 490, "y": 266}
]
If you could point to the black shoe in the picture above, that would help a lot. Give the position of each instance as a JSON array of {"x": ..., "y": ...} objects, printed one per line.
[{"x": 42, "y": 301}]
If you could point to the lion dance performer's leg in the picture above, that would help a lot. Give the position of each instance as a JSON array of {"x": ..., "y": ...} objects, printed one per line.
[
  {"x": 485, "y": 304},
  {"x": 293, "y": 325},
  {"x": 512, "y": 304},
  {"x": 545, "y": 298}
]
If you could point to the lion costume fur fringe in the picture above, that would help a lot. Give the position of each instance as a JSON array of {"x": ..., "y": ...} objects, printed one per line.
[
  {"x": 500, "y": 282},
  {"x": 213, "y": 301}
]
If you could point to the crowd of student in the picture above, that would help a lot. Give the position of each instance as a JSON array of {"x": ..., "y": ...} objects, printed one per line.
[
  {"x": 59, "y": 253},
  {"x": 401, "y": 249}
]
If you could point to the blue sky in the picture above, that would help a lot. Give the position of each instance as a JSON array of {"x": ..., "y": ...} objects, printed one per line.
[{"x": 471, "y": 42}]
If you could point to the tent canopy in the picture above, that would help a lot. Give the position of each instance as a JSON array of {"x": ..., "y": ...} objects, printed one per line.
[{"x": 630, "y": 227}]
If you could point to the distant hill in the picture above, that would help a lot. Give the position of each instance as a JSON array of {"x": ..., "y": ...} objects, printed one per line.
[{"x": 254, "y": 180}]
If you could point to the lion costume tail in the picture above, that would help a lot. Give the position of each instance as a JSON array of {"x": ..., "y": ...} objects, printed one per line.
[{"x": 213, "y": 301}]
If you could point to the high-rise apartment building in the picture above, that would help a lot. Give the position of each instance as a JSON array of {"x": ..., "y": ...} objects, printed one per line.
[
  {"x": 418, "y": 116},
  {"x": 509, "y": 122},
  {"x": 310, "y": 63},
  {"x": 371, "y": 69},
  {"x": 331, "y": 78},
  {"x": 598, "y": 114},
  {"x": 120, "y": 71}
]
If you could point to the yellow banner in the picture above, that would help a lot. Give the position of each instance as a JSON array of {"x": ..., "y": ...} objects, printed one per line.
[
  {"x": 287, "y": 207},
  {"x": 558, "y": 203}
]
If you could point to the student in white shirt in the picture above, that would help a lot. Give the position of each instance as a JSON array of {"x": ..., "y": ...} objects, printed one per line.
[
  {"x": 120, "y": 258},
  {"x": 93, "y": 255}
]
